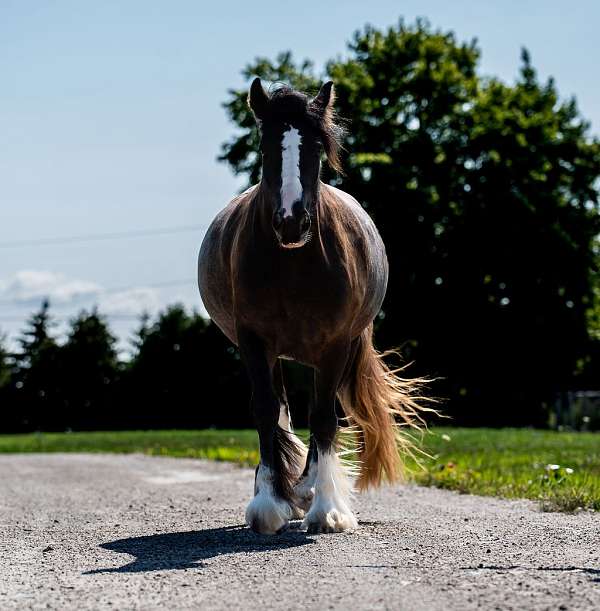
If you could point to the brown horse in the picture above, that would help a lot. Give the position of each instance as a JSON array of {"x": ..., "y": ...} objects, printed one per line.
[{"x": 294, "y": 268}]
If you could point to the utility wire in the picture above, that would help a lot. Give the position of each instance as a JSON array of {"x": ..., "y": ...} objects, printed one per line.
[
  {"x": 116, "y": 289},
  {"x": 96, "y": 237},
  {"x": 65, "y": 318}
]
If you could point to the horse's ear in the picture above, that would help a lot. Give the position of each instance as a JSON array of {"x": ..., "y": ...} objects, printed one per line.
[
  {"x": 324, "y": 100},
  {"x": 258, "y": 100}
]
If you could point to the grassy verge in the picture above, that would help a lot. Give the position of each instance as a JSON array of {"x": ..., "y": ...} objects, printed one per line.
[
  {"x": 233, "y": 446},
  {"x": 561, "y": 470}
]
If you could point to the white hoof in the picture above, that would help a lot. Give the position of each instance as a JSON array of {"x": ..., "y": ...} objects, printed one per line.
[
  {"x": 266, "y": 513},
  {"x": 332, "y": 521},
  {"x": 330, "y": 511}
]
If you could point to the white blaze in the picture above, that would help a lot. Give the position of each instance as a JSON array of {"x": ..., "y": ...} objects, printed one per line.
[{"x": 291, "y": 187}]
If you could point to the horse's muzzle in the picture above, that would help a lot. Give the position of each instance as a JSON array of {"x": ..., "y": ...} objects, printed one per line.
[{"x": 292, "y": 230}]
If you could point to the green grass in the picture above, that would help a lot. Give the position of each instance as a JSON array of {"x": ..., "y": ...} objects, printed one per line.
[
  {"x": 512, "y": 463},
  {"x": 561, "y": 470},
  {"x": 234, "y": 446}
]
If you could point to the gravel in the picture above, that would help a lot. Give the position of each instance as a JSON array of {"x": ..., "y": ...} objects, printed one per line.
[{"x": 95, "y": 531}]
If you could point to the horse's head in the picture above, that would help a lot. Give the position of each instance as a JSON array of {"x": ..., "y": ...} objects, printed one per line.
[{"x": 294, "y": 130}]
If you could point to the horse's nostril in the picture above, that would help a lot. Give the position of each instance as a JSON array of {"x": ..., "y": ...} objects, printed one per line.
[{"x": 277, "y": 220}]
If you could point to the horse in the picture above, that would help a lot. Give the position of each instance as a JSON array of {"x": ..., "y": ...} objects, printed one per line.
[{"x": 294, "y": 268}]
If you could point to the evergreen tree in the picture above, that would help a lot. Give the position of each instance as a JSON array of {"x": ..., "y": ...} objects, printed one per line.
[
  {"x": 37, "y": 372},
  {"x": 5, "y": 368},
  {"x": 9, "y": 416},
  {"x": 89, "y": 370},
  {"x": 186, "y": 374}
]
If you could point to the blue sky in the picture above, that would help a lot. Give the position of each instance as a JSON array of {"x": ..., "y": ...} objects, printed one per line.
[{"x": 110, "y": 121}]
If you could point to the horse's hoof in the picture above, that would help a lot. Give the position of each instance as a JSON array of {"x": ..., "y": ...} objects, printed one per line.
[
  {"x": 283, "y": 529},
  {"x": 268, "y": 524},
  {"x": 268, "y": 518},
  {"x": 267, "y": 514},
  {"x": 333, "y": 521}
]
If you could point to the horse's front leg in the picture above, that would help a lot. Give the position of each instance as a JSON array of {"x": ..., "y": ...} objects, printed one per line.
[
  {"x": 270, "y": 510},
  {"x": 325, "y": 475},
  {"x": 285, "y": 423}
]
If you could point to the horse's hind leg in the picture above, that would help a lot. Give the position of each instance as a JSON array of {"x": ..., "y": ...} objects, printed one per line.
[
  {"x": 329, "y": 510},
  {"x": 285, "y": 423},
  {"x": 304, "y": 490},
  {"x": 270, "y": 510}
]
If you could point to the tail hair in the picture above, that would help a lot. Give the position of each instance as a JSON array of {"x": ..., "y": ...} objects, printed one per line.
[{"x": 380, "y": 406}]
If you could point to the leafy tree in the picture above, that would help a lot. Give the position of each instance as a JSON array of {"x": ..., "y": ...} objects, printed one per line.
[
  {"x": 89, "y": 370},
  {"x": 486, "y": 197}
]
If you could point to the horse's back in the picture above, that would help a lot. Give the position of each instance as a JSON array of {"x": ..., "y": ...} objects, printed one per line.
[{"x": 368, "y": 251}]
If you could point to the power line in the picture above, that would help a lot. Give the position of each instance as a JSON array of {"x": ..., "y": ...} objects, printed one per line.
[
  {"x": 65, "y": 318},
  {"x": 111, "y": 290},
  {"x": 96, "y": 237}
]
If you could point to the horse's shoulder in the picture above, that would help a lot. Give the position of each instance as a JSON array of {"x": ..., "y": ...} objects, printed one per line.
[
  {"x": 239, "y": 205},
  {"x": 230, "y": 219},
  {"x": 348, "y": 210},
  {"x": 339, "y": 197}
]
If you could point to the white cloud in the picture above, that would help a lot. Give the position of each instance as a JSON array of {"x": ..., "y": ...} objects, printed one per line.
[
  {"x": 23, "y": 291},
  {"x": 130, "y": 301},
  {"x": 28, "y": 286}
]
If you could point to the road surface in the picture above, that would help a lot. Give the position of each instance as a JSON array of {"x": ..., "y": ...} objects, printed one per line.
[{"x": 101, "y": 531}]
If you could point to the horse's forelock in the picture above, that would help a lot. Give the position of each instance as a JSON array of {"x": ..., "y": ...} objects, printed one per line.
[{"x": 286, "y": 103}]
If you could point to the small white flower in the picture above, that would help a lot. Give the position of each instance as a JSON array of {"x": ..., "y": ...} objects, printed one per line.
[
  {"x": 569, "y": 470},
  {"x": 446, "y": 437},
  {"x": 553, "y": 467}
]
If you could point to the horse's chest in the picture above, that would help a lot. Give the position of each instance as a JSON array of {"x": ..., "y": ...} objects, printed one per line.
[{"x": 293, "y": 300}]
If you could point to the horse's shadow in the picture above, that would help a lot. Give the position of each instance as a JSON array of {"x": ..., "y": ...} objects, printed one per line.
[{"x": 183, "y": 550}]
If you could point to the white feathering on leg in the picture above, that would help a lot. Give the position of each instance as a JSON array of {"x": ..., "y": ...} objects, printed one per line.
[
  {"x": 330, "y": 509},
  {"x": 266, "y": 513}
]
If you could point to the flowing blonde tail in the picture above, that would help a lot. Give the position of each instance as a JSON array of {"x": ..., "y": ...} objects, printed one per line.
[{"x": 379, "y": 405}]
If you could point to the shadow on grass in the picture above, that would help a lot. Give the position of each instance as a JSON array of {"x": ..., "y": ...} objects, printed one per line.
[{"x": 184, "y": 550}]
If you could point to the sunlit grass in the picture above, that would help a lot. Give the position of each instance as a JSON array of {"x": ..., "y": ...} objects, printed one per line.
[
  {"x": 560, "y": 470},
  {"x": 233, "y": 446}
]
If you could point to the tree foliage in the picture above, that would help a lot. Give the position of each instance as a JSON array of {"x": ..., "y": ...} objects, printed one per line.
[
  {"x": 37, "y": 372},
  {"x": 183, "y": 373},
  {"x": 486, "y": 196},
  {"x": 88, "y": 371},
  {"x": 5, "y": 368},
  {"x": 186, "y": 374}
]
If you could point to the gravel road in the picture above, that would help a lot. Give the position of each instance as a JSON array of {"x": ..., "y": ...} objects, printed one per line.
[{"x": 136, "y": 532}]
